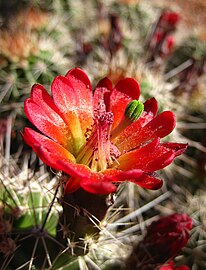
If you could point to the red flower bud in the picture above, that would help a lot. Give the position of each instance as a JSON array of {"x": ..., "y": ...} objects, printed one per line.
[{"x": 164, "y": 240}]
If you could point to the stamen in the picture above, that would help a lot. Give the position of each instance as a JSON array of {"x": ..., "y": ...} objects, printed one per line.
[{"x": 97, "y": 153}]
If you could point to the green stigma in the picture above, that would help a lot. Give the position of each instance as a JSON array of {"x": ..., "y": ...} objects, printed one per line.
[{"x": 134, "y": 110}]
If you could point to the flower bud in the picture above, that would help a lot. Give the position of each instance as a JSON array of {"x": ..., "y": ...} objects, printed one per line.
[{"x": 164, "y": 240}]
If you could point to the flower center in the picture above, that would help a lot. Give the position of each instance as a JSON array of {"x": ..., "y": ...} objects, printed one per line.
[{"x": 98, "y": 153}]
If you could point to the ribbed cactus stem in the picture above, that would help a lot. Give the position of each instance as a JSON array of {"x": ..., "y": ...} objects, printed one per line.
[{"x": 80, "y": 208}]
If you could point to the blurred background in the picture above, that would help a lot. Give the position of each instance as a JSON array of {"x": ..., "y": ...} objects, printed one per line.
[{"x": 160, "y": 43}]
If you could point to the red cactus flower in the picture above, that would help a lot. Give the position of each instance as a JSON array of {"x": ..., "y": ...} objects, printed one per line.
[
  {"x": 171, "y": 266},
  {"x": 100, "y": 138},
  {"x": 164, "y": 240}
]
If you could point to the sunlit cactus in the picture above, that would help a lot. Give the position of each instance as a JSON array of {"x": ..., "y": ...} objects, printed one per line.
[{"x": 43, "y": 225}]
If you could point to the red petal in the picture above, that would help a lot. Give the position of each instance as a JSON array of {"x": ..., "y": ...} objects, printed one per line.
[
  {"x": 101, "y": 183},
  {"x": 151, "y": 157},
  {"x": 105, "y": 83},
  {"x": 151, "y": 105},
  {"x": 84, "y": 100},
  {"x": 48, "y": 150},
  {"x": 125, "y": 91},
  {"x": 129, "y": 86},
  {"x": 161, "y": 162},
  {"x": 43, "y": 99},
  {"x": 162, "y": 125},
  {"x": 149, "y": 181},
  {"x": 97, "y": 187},
  {"x": 42, "y": 112},
  {"x": 78, "y": 171},
  {"x": 120, "y": 176},
  {"x": 80, "y": 75},
  {"x": 71, "y": 96},
  {"x": 72, "y": 185},
  {"x": 73, "y": 169},
  {"x": 136, "y": 134},
  {"x": 64, "y": 95},
  {"x": 177, "y": 148},
  {"x": 138, "y": 158}
]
